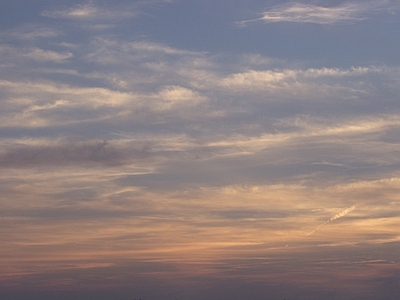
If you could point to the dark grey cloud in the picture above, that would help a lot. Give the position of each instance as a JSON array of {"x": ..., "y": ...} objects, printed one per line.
[{"x": 71, "y": 152}]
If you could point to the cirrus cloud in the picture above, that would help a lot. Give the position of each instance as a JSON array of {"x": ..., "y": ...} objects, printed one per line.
[{"x": 307, "y": 13}]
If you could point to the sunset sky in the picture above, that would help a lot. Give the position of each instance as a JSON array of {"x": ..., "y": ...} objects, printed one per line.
[{"x": 200, "y": 149}]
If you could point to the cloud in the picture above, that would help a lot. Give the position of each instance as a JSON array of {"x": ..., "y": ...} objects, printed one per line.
[
  {"x": 161, "y": 65},
  {"x": 257, "y": 77},
  {"x": 33, "y": 53},
  {"x": 92, "y": 12},
  {"x": 44, "y": 103},
  {"x": 156, "y": 47},
  {"x": 308, "y": 13},
  {"x": 67, "y": 152},
  {"x": 31, "y": 32},
  {"x": 188, "y": 158},
  {"x": 113, "y": 52},
  {"x": 303, "y": 84},
  {"x": 176, "y": 95},
  {"x": 89, "y": 12},
  {"x": 45, "y": 55}
]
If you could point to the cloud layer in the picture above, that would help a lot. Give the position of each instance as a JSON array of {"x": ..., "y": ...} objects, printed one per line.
[{"x": 149, "y": 168}]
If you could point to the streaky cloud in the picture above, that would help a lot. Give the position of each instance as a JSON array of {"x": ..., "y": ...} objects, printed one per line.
[
  {"x": 45, "y": 55},
  {"x": 92, "y": 12},
  {"x": 308, "y": 13}
]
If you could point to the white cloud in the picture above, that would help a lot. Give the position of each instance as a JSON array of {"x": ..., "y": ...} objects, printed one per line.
[
  {"x": 32, "y": 104},
  {"x": 308, "y": 13},
  {"x": 35, "y": 104},
  {"x": 297, "y": 12},
  {"x": 89, "y": 12},
  {"x": 156, "y": 47},
  {"x": 41, "y": 92},
  {"x": 94, "y": 12},
  {"x": 335, "y": 72},
  {"x": 46, "y": 55},
  {"x": 302, "y": 83},
  {"x": 18, "y": 56},
  {"x": 177, "y": 95}
]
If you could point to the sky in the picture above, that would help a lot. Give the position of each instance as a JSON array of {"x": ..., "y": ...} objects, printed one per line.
[{"x": 198, "y": 149}]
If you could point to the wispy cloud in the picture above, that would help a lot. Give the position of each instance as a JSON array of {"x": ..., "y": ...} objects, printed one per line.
[
  {"x": 308, "y": 13},
  {"x": 46, "y": 55},
  {"x": 155, "y": 47},
  {"x": 88, "y": 12},
  {"x": 91, "y": 11},
  {"x": 30, "y": 32},
  {"x": 302, "y": 83}
]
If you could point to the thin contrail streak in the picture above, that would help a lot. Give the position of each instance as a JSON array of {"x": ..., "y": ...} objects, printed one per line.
[
  {"x": 335, "y": 217},
  {"x": 343, "y": 213}
]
